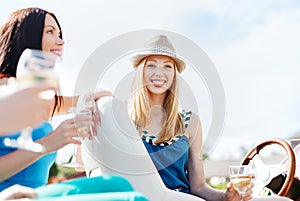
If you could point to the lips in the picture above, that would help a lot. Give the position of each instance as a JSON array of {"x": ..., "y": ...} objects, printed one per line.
[
  {"x": 57, "y": 52},
  {"x": 158, "y": 83}
]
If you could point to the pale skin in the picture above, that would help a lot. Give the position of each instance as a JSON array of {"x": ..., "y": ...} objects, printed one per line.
[
  {"x": 18, "y": 103},
  {"x": 159, "y": 73},
  {"x": 17, "y": 192}
]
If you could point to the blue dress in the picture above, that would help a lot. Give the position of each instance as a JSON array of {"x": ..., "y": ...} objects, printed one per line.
[
  {"x": 37, "y": 173},
  {"x": 171, "y": 158}
]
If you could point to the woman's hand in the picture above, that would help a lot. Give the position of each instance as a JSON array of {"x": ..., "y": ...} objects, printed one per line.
[
  {"x": 72, "y": 100},
  {"x": 101, "y": 93},
  {"x": 20, "y": 102},
  {"x": 17, "y": 192},
  {"x": 232, "y": 194},
  {"x": 66, "y": 132},
  {"x": 97, "y": 95}
]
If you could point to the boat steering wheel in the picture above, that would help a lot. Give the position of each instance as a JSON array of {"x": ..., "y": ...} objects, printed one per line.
[{"x": 272, "y": 177}]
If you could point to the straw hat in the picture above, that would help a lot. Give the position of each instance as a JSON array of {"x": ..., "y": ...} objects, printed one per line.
[{"x": 158, "y": 45}]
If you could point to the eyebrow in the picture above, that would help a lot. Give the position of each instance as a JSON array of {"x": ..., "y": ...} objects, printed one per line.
[
  {"x": 168, "y": 61},
  {"x": 49, "y": 26}
]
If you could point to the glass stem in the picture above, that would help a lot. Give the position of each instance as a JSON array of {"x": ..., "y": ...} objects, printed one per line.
[{"x": 27, "y": 133}]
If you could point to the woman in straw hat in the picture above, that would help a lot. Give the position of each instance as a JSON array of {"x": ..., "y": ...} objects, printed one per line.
[{"x": 173, "y": 138}]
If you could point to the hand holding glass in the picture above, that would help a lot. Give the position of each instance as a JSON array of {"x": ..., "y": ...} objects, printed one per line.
[
  {"x": 73, "y": 112},
  {"x": 241, "y": 177},
  {"x": 87, "y": 101},
  {"x": 35, "y": 67}
]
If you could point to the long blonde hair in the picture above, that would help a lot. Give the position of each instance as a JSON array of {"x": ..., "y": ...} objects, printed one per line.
[{"x": 140, "y": 107}]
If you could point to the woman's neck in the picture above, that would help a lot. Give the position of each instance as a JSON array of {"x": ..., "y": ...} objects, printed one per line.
[
  {"x": 156, "y": 120},
  {"x": 157, "y": 114},
  {"x": 157, "y": 99}
]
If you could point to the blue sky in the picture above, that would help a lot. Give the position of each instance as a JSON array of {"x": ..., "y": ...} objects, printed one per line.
[{"x": 253, "y": 44}]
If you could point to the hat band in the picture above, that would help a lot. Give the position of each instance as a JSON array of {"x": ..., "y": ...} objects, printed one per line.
[{"x": 160, "y": 50}]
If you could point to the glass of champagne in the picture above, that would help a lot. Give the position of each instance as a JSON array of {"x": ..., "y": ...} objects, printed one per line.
[
  {"x": 295, "y": 144},
  {"x": 74, "y": 162},
  {"x": 35, "y": 67},
  {"x": 240, "y": 176},
  {"x": 87, "y": 101}
]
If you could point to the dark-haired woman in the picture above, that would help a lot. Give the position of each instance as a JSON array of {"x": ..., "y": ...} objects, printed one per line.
[{"x": 34, "y": 28}]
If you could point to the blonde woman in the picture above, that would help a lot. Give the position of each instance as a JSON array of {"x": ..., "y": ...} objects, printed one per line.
[{"x": 173, "y": 138}]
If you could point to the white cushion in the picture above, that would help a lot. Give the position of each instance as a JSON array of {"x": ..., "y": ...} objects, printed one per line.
[{"x": 118, "y": 149}]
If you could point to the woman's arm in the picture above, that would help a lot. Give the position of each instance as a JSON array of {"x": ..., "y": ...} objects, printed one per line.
[
  {"x": 198, "y": 185},
  {"x": 17, "y": 101},
  {"x": 64, "y": 134},
  {"x": 71, "y": 101},
  {"x": 16, "y": 161}
]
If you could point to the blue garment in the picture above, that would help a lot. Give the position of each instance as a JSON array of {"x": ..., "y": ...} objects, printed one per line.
[
  {"x": 36, "y": 174},
  {"x": 171, "y": 159}
]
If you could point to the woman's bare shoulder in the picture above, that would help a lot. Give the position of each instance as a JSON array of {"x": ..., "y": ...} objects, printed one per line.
[{"x": 194, "y": 126}]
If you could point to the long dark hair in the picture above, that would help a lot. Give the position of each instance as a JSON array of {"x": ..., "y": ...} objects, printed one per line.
[{"x": 23, "y": 29}]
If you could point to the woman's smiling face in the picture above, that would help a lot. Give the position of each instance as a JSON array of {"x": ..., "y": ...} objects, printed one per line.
[
  {"x": 51, "y": 40},
  {"x": 159, "y": 72}
]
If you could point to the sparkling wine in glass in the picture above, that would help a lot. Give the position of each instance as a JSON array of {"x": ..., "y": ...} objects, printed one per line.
[
  {"x": 241, "y": 177},
  {"x": 35, "y": 67},
  {"x": 87, "y": 101},
  {"x": 295, "y": 144},
  {"x": 74, "y": 163}
]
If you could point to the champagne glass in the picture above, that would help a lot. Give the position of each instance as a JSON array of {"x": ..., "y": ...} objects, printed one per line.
[
  {"x": 295, "y": 144},
  {"x": 240, "y": 176},
  {"x": 73, "y": 162},
  {"x": 35, "y": 67},
  {"x": 87, "y": 101}
]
